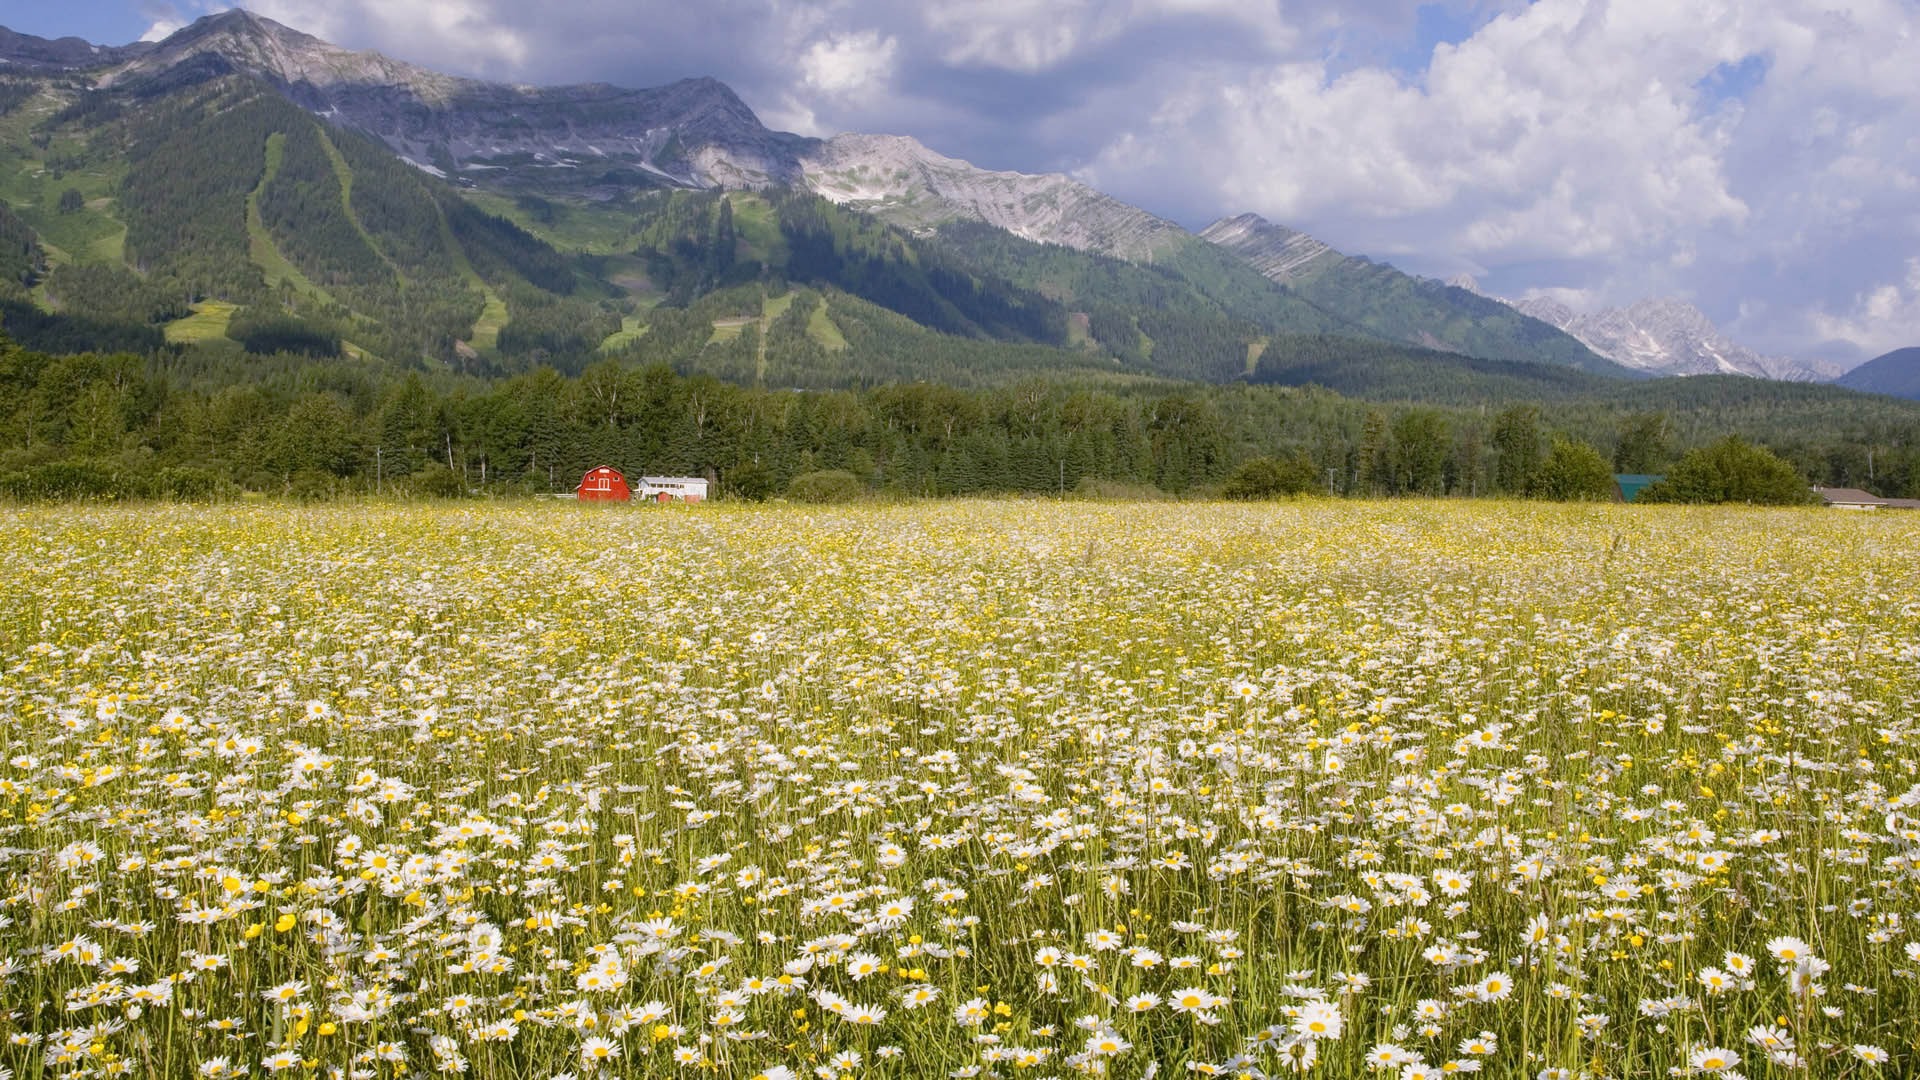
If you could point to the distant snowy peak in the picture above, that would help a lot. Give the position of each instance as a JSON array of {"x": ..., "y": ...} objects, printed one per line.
[
  {"x": 898, "y": 179},
  {"x": 1667, "y": 337}
]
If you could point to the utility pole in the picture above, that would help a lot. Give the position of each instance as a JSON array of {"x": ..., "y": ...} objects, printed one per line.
[{"x": 379, "y": 463}]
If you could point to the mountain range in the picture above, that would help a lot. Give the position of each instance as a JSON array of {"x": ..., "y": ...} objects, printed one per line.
[
  {"x": 1668, "y": 337},
  {"x": 242, "y": 180}
]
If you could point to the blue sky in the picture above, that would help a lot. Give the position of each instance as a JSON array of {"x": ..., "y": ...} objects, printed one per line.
[
  {"x": 100, "y": 21},
  {"x": 1760, "y": 160}
]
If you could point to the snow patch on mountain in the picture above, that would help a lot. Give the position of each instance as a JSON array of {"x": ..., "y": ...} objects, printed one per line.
[{"x": 1667, "y": 336}]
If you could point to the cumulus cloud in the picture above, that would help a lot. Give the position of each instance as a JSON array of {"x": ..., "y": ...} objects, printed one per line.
[
  {"x": 164, "y": 18},
  {"x": 1549, "y": 133},
  {"x": 468, "y": 34},
  {"x": 1034, "y": 35},
  {"x": 843, "y": 64},
  {"x": 1882, "y": 319},
  {"x": 1603, "y": 146}
]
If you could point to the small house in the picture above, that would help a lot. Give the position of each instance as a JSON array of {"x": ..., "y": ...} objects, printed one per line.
[
  {"x": 604, "y": 484},
  {"x": 1629, "y": 485},
  {"x": 1855, "y": 499},
  {"x": 687, "y": 489},
  {"x": 1850, "y": 498}
]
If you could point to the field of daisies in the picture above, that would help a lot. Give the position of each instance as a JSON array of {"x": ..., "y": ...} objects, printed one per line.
[{"x": 1015, "y": 789}]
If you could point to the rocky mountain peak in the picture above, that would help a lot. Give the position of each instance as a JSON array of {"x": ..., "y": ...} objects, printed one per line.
[
  {"x": 900, "y": 180},
  {"x": 1666, "y": 336},
  {"x": 1275, "y": 250},
  {"x": 293, "y": 60},
  {"x": 1545, "y": 309}
]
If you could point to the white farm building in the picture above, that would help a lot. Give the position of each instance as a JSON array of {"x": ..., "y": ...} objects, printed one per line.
[{"x": 690, "y": 489}]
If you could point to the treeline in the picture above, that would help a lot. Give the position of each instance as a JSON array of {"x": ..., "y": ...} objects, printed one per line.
[
  {"x": 21, "y": 260},
  {"x": 198, "y": 424}
]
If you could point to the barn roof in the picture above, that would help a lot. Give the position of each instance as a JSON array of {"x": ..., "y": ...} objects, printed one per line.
[{"x": 1849, "y": 496}]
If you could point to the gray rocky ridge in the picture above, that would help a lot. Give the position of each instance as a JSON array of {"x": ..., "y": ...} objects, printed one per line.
[
  {"x": 899, "y": 180},
  {"x": 1280, "y": 253},
  {"x": 1666, "y": 337}
]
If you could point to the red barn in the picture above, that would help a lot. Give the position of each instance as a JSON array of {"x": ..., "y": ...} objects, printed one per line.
[{"x": 604, "y": 484}]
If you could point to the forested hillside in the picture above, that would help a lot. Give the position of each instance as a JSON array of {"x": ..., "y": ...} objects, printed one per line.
[
  {"x": 204, "y": 209},
  {"x": 199, "y": 424},
  {"x": 196, "y": 207}
]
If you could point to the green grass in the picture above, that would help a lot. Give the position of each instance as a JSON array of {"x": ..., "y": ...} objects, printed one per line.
[
  {"x": 586, "y": 228},
  {"x": 755, "y": 222},
  {"x": 494, "y": 316},
  {"x": 1255, "y": 350},
  {"x": 1079, "y": 335},
  {"x": 628, "y": 274},
  {"x": 821, "y": 328},
  {"x": 343, "y": 173},
  {"x": 33, "y": 189},
  {"x": 633, "y": 327},
  {"x": 208, "y": 322},
  {"x": 773, "y": 308},
  {"x": 261, "y": 249},
  {"x": 728, "y": 329}
]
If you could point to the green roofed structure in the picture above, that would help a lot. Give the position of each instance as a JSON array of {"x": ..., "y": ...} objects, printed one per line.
[{"x": 1629, "y": 485}]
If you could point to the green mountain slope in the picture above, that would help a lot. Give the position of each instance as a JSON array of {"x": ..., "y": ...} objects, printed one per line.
[
  {"x": 1896, "y": 373},
  {"x": 214, "y": 189},
  {"x": 1390, "y": 304},
  {"x": 190, "y": 198}
]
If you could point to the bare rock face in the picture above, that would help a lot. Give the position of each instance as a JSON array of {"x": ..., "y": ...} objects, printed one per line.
[
  {"x": 694, "y": 133},
  {"x": 901, "y": 181},
  {"x": 1280, "y": 253},
  {"x": 1667, "y": 337}
]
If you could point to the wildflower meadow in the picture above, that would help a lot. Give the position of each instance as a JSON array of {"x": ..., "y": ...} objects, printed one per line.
[{"x": 982, "y": 789}]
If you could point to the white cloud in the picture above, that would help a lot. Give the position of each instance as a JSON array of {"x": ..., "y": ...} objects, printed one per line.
[
  {"x": 1569, "y": 144},
  {"x": 1542, "y": 136},
  {"x": 166, "y": 17},
  {"x": 1020, "y": 35},
  {"x": 464, "y": 34},
  {"x": 843, "y": 64},
  {"x": 1035, "y": 35},
  {"x": 1882, "y": 319}
]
